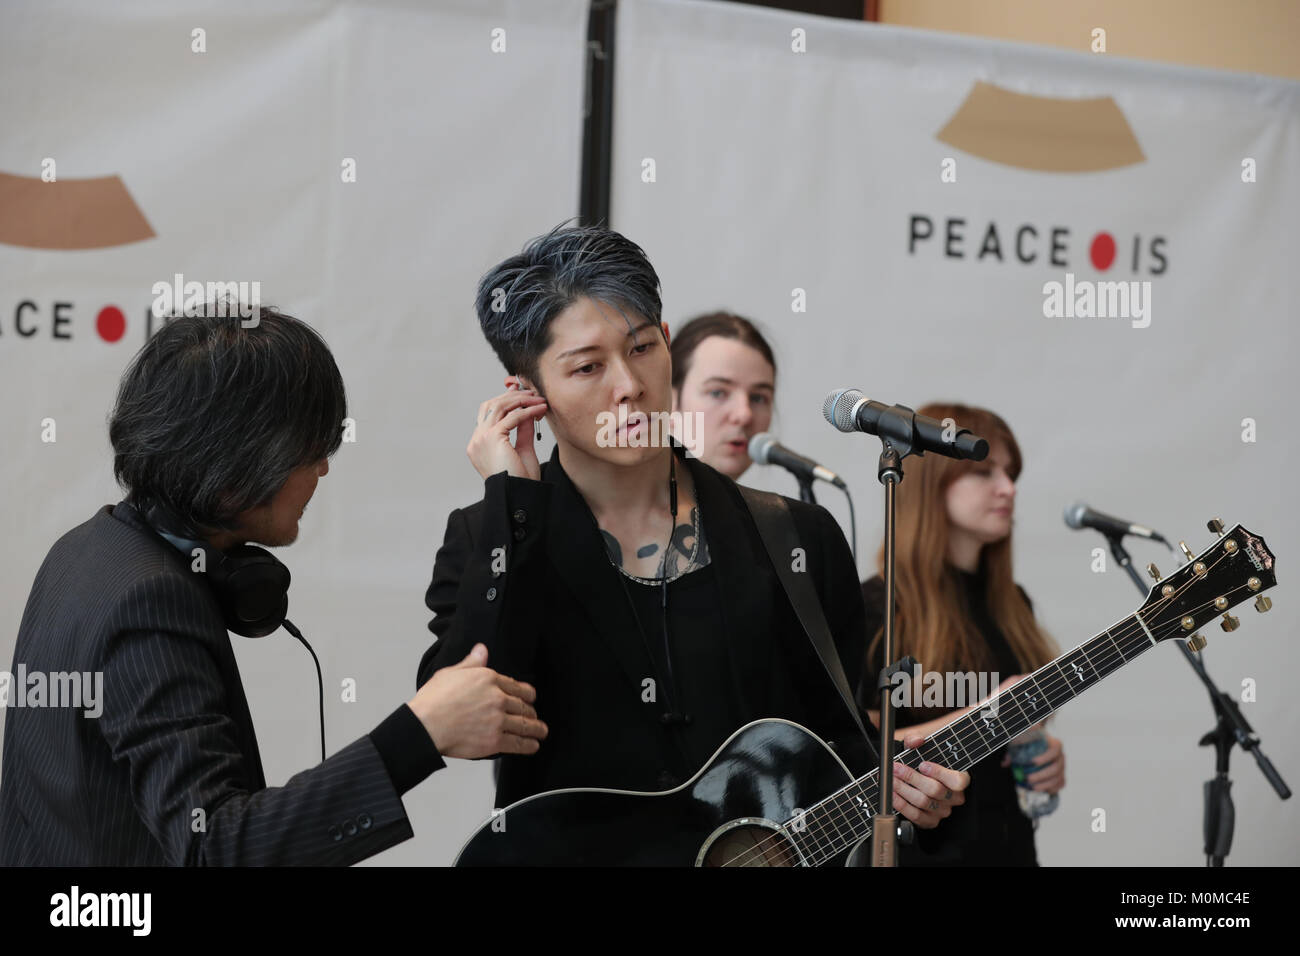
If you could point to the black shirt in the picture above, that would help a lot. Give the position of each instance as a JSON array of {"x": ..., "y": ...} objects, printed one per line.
[
  {"x": 989, "y": 829},
  {"x": 701, "y": 680},
  {"x": 553, "y": 611},
  {"x": 702, "y": 683}
]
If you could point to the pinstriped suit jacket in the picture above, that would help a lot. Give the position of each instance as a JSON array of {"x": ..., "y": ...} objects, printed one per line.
[{"x": 169, "y": 773}]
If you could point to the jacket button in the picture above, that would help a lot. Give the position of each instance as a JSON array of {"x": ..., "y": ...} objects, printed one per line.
[
  {"x": 666, "y": 780},
  {"x": 519, "y": 534},
  {"x": 364, "y": 821},
  {"x": 520, "y": 516},
  {"x": 491, "y": 594},
  {"x": 349, "y": 828},
  {"x": 335, "y": 833}
]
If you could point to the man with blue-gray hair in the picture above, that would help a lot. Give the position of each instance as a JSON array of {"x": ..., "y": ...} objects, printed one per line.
[{"x": 625, "y": 581}]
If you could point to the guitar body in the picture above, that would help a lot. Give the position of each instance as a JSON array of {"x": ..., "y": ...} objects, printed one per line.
[{"x": 730, "y": 812}]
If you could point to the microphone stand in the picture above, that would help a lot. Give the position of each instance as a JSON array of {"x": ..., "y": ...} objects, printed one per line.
[
  {"x": 897, "y": 428},
  {"x": 806, "y": 490},
  {"x": 1230, "y": 728},
  {"x": 889, "y": 828}
]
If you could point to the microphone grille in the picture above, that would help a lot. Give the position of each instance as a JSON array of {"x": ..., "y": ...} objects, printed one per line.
[
  {"x": 759, "y": 446},
  {"x": 1074, "y": 514},
  {"x": 838, "y": 408}
]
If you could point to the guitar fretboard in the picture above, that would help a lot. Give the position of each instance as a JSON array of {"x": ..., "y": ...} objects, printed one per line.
[{"x": 843, "y": 819}]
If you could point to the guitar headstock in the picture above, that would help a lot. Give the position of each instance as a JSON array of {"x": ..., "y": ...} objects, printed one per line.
[{"x": 1237, "y": 567}]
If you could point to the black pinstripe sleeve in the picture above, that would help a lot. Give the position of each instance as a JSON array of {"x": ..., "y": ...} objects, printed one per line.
[{"x": 167, "y": 718}]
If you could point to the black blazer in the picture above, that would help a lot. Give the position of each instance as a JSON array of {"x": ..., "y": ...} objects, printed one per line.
[
  {"x": 169, "y": 773},
  {"x": 552, "y": 612}
]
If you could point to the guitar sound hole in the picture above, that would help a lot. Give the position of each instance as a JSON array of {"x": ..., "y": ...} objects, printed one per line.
[{"x": 747, "y": 845}]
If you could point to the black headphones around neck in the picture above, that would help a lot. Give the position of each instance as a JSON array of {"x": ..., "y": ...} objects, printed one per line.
[{"x": 250, "y": 583}]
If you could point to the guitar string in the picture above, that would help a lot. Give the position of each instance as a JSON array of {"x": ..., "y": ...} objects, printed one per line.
[
  {"x": 972, "y": 738},
  {"x": 856, "y": 790},
  {"x": 1052, "y": 677},
  {"x": 1132, "y": 641},
  {"x": 1133, "y": 638},
  {"x": 815, "y": 839}
]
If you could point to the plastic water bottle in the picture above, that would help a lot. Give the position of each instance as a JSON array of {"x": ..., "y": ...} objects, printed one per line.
[{"x": 1023, "y": 749}]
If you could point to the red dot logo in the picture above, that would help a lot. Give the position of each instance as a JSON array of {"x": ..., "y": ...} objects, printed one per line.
[
  {"x": 110, "y": 323},
  {"x": 1102, "y": 251}
]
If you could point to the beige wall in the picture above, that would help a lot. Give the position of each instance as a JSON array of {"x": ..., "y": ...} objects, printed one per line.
[{"x": 1253, "y": 36}]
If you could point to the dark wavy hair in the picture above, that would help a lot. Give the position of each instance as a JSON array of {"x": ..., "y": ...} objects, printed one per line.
[
  {"x": 211, "y": 417},
  {"x": 518, "y": 299}
]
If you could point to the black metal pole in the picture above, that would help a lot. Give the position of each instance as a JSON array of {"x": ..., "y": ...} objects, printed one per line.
[
  {"x": 884, "y": 829},
  {"x": 598, "y": 116}
]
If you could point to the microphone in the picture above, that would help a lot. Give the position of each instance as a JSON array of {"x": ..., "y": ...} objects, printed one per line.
[
  {"x": 850, "y": 411},
  {"x": 1079, "y": 516},
  {"x": 766, "y": 450}
]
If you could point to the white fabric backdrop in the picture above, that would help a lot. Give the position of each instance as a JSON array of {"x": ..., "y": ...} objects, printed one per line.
[
  {"x": 789, "y": 170},
  {"x": 234, "y": 157},
  {"x": 776, "y": 170}
]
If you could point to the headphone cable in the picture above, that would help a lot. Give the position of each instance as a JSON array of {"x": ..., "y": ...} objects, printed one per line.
[{"x": 320, "y": 681}]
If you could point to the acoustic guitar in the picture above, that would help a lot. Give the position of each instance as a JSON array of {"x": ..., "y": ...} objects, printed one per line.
[{"x": 775, "y": 794}]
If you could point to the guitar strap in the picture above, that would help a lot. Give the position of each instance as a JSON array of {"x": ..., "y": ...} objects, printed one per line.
[{"x": 776, "y": 527}]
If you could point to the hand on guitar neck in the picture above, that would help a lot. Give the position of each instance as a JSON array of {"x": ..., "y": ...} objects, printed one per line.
[
  {"x": 927, "y": 794},
  {"x": 926, "y": 799},
  {"x": 1049, "y": 779}
]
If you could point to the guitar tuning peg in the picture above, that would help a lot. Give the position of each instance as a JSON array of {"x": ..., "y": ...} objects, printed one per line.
[
  {"x": 1153, "y": 571},
  {"x": 1186, "y": 550},
  {"x": 1215, "y": 525},
  {"x": 1195, "y": 643},
  {"x": 1230, "y": 623},
  {"x": 1263, "y": 603}
]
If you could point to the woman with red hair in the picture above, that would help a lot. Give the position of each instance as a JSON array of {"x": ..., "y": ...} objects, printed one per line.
[{"x": 959, "y": 611}]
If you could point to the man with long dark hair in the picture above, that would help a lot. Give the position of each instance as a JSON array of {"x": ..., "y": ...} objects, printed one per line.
[
  {"x": 625, "y": 580},
  {"x": 724, "y": 374},
  {"x": 221, "y": 431}
]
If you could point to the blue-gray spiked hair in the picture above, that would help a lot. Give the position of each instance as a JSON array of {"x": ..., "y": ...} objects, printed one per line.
[{"x": 518, "y": 299}]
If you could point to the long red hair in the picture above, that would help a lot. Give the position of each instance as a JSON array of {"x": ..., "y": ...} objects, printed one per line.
[{"x": 931, "y": 624}]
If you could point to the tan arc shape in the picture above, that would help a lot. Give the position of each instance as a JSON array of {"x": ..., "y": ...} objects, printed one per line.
[
  {"x": 69, "y": 213},
  {"x": 1042, "y": 133}
]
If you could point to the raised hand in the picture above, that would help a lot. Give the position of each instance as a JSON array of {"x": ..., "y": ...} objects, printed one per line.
[{"x": 491, "y": 450}]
